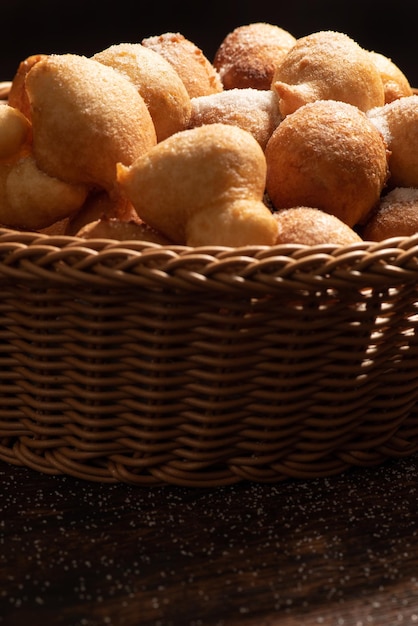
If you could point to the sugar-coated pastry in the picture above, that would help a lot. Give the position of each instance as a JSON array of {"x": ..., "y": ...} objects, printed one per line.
[
  {"x": 310, "y": 226},
  {"x": 398, "y": 122},
  {"x": 327, "y": 155},
  {"x": 86, "y": 117},
  {"x": 15, "y": 132},
  {"x": 395, "y": 83},
  {"x": 396, "y": 215},
  {"x": 328, "y": 65},
  {"x": 249, "y": 54},
  {"x": 203, "y": 186},
  {"x": 18, "y": 96},
  {"x": 254, "y": 110},
  {"x": 114, "y": 228},
  {"x": 30, "y": 199},
  {"x": 157, "y": 81},
  {"x": 279, "y": 140},
  {"x": 194, "y": 68}
]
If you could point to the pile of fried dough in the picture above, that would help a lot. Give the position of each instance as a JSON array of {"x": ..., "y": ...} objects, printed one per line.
[{"x": 278, "y": 139}]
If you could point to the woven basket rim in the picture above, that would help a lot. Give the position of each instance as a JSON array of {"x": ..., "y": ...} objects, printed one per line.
[
  {"x": 99, "y": 244},
  {"x": 28, "y": 257}
]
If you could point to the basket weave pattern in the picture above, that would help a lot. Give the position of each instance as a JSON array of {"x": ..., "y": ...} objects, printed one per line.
[{"x": 132, "y": 362}]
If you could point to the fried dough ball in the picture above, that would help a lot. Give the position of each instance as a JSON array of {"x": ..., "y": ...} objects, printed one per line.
[
  {"x": 203, "y": 186},
  {"x": 328, "y": 65},
  {"x": 311, "y": 226},
  {"x": 254, "y": 110},
  {"x": 327, "y": 155},
  {"x": 396, "y": 216},
  {"x": 101, "y": 204},
  {"x": 18, "y": 97},
  {"x": 114, "y": 228},
  {"x": 156, "y": 80},
  {"x": 194, "y": 68},
  {"x": 30, "y": 199},
  {"x": 86, "y": 117},
  {"x": 395, "y": 83},
  {"x": 15, "y": 131},
  {"x": 398, "y": 122},
  {"x": 248, "y": 55}
]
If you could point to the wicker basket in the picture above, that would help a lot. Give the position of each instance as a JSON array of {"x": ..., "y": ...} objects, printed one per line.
[
  {"x": 140, "y": 363},
  {"x": 132, "y": 362}
]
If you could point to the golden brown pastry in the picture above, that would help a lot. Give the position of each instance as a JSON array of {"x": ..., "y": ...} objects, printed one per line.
[
  {"x": 114, "y": 228},
  {"x": 194, "y": 68},
  {"x": 156, "y": 80},
  {"x": 203, "y": 186},
  {"x": 31, "y": 200},
  {"x": 18, "y": 97},
  {"x": 398, "y": 122},
  {"x": 329, "y": 156},
  {"x": 395, "y": 83},
  {"x": 328, "y": 65},
  {"x": 396, "y": 216},
  {"x": 310, "y": 226},
  {"x": 86, "y": 117},
  {"x": 15, "y": 132},
  {"x": 254, "y": 110},
  {"x": 248, "y": 55}
]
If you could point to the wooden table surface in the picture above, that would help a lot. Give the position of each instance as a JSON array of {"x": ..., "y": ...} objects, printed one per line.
[{"x": 340, "y": 551}]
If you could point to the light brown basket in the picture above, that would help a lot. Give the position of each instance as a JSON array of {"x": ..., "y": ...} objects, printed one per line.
[{"x": 139, "y": 363}]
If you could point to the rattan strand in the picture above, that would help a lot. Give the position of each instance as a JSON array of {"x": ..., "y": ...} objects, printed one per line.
[{"x": 138, "y": 363}]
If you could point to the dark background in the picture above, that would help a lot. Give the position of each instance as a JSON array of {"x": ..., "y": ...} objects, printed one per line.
[{"x": 87, "y": 27}]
